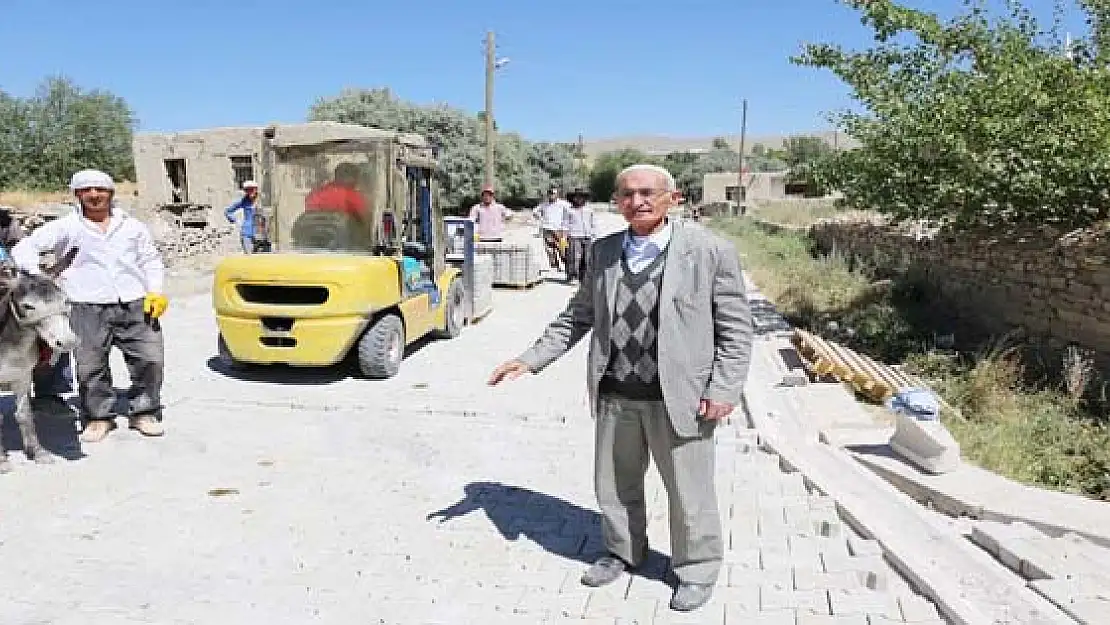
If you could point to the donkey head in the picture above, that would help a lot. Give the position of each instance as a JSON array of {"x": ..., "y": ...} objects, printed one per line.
[{"x": 36, "y": 301}]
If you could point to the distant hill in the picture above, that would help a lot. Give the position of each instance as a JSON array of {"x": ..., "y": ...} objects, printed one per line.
[{"x": 660, "y": 144}]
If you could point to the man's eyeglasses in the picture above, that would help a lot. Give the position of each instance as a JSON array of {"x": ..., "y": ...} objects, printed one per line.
[{"x": 628, "y": 194}]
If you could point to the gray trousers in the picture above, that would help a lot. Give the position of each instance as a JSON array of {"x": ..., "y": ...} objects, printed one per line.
[
  {"x": 629, "y": 434},
  {"x": 576, "y": 257},
  {"x": 99, "y": 327}
]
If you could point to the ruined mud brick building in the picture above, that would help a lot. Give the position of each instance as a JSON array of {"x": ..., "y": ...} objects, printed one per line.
[{"x": 208, "y": 167}]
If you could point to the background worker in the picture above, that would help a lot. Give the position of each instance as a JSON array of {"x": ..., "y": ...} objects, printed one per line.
[
  {"x": 581, "y": 227},
  {"x": 249, "y": 205},
  {"x": 489, "y": 217},
  {"x": 550, "y": 214}
]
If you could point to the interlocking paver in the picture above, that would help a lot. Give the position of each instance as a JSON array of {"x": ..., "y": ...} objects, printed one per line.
[{"x": 333, "y": 483}]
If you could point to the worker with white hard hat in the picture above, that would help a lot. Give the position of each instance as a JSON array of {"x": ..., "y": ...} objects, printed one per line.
[
  {"x": 249, "y": 205},
  {"x": 114, "y": 282}
]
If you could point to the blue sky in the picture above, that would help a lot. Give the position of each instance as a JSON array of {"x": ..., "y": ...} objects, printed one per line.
[{"x": 601, "y": 68}]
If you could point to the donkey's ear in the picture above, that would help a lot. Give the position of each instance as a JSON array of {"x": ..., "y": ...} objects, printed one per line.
[{"x": 62, "y": 264}]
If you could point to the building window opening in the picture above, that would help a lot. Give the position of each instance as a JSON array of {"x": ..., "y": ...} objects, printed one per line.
[
  {"x": 242, "y": 169},
  {"x": 179, "y": 180}
]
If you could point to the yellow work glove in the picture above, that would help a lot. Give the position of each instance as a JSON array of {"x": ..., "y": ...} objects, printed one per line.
[{"x": 154, "y": 304}]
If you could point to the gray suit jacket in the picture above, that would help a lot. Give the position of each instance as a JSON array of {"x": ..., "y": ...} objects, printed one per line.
[{"x": 705, "y": 323}]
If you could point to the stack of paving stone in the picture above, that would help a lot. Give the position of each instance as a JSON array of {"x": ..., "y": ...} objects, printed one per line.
[
  {"x": 483, "y": 284},
  {"x": 514, "y": 264}
]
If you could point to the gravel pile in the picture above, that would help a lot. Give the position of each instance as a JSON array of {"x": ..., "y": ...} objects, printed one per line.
[{"x": 196, "y": 247}]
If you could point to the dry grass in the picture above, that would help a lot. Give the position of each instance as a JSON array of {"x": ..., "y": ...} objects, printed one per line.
[
  {"x": 24, "y": 200},
  {"x": 1045, "y": 434},
  {"x": 794, "y": 211}
]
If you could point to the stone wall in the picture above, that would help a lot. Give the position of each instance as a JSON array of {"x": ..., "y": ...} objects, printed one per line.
[{"x": 1055, "y": 286}]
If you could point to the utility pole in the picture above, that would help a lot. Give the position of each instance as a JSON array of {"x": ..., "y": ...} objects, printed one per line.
[
  {"x": 491, "y": 63},
  {"x": 741, "y": 195}
]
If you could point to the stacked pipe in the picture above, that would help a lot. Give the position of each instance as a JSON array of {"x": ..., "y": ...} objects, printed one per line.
[{"x": 876, "y": 381}]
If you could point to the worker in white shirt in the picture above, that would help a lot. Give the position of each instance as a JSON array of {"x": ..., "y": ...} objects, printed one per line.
[
  {"x": 115, "y": 286},
  {"x": 580, "y": 226},
  {"x": 550, "y": 214}
]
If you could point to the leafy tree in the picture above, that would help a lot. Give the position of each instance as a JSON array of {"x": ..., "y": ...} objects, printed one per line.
[
  {"x": 978, "y": 120},
  {"x": 807, "y": 157},
  {"x": 719, "y": 143},
  {"x": 61, "y": 129},
  {"x": 523, "y": 169},
  {"x": 607, "y": 165}
]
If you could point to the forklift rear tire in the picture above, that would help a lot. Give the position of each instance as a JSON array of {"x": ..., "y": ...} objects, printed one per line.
[
  {"x": 455, "y": 313},
  {"x": 381, "y": 349}
]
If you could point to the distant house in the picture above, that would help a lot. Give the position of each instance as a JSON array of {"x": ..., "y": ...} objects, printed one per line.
[
  {"x": 209, "y": 167},
  {"x": 725, "y": 187}
]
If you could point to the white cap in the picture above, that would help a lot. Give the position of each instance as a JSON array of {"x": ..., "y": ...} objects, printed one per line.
[
  {"x": 250, "y": 184},
  {"x": 89, "y": 178}
]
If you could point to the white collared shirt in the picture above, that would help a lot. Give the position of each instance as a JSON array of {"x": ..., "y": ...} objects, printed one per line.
[
  {"x": 551, "y": 214},
  {"x": 639, "y": 251},
  {"x": 120, "y": 265}
]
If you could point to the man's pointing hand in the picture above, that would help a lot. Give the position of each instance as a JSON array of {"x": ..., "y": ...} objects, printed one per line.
[{"x": 509, "y": 370}]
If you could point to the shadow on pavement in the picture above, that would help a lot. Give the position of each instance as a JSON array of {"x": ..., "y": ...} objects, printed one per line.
[
  {"x": 309, "y": 376},
  {"x": 558, "y": 526},
  {"x": 55, "y": 425}
]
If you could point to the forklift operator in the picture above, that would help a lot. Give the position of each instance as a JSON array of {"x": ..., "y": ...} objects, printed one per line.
[{"x": 340, "y": 194}]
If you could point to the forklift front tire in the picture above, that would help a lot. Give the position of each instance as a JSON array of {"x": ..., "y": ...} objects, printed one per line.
[{"x": 455, "y": 313}]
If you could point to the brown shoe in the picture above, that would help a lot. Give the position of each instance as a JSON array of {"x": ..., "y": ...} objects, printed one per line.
[
  {"x": 96, "y": 430},
  {"x": 147, "y": 425}
]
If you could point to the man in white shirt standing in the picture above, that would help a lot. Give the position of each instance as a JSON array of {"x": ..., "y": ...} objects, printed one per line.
[
  {"x": 115, "y": 286},
  {"x": 551, "y": 214},
  {"x": 580, "y": 226}
]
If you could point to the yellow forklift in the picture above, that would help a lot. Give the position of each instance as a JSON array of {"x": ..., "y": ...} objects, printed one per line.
[{"x": 357, "y": 266}]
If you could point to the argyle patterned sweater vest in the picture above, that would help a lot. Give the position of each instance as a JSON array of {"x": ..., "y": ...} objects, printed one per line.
[{"x": 633, "y": 370}]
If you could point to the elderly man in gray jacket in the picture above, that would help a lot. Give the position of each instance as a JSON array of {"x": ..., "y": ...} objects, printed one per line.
[{"x": 671, "y": 346}]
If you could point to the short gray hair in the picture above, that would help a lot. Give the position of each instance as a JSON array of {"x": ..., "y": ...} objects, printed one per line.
[{"x": 668, "y": 179}]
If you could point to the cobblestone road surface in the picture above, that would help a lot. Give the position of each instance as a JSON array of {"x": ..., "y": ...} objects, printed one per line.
[{"x": 305, "y": 497}]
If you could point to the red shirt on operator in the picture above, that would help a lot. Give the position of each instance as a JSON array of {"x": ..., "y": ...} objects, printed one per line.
[{"x": 339, "y": 195}]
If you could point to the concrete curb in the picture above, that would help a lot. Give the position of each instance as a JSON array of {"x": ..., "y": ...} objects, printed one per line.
[
  {"x": 967, "y": 585},
  {"x": 1008, "y": 506}
]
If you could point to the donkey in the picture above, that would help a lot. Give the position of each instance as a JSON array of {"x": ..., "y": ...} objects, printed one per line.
[{"x": 34, "y": 321}]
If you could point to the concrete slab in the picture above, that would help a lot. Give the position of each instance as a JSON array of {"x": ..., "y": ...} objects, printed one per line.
[{"x": 979, "y": 494}]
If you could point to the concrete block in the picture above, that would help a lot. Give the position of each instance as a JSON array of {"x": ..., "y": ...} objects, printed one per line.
[
  {"x": 644, "y": 588},
  {"x": 864, "y": 602},
  {"x": 745, "y": 558},
  {"x": 917, "y": 609},
  {"x": 928, "y": 445},
  {"x": 772, "y": 598},
  {"x": 883, "y": 620},
  {"x": 711, "y": 614},
  {"x": 831, "y": 619},
  {"x": 603, "y": 605},
  {"x": 986, "y": 535},
  {"x": 780, "y": 578},
  {"x": 1087, "y": 601},
  {"x": 839, "y": 562},
  {"x": 863, "y": 547},
  {"x": 781, "y": 617},
  {"x": 743, "y": 599},
  {"x": 565, "y": 605},
  {"x": 810, "y": 579}
]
